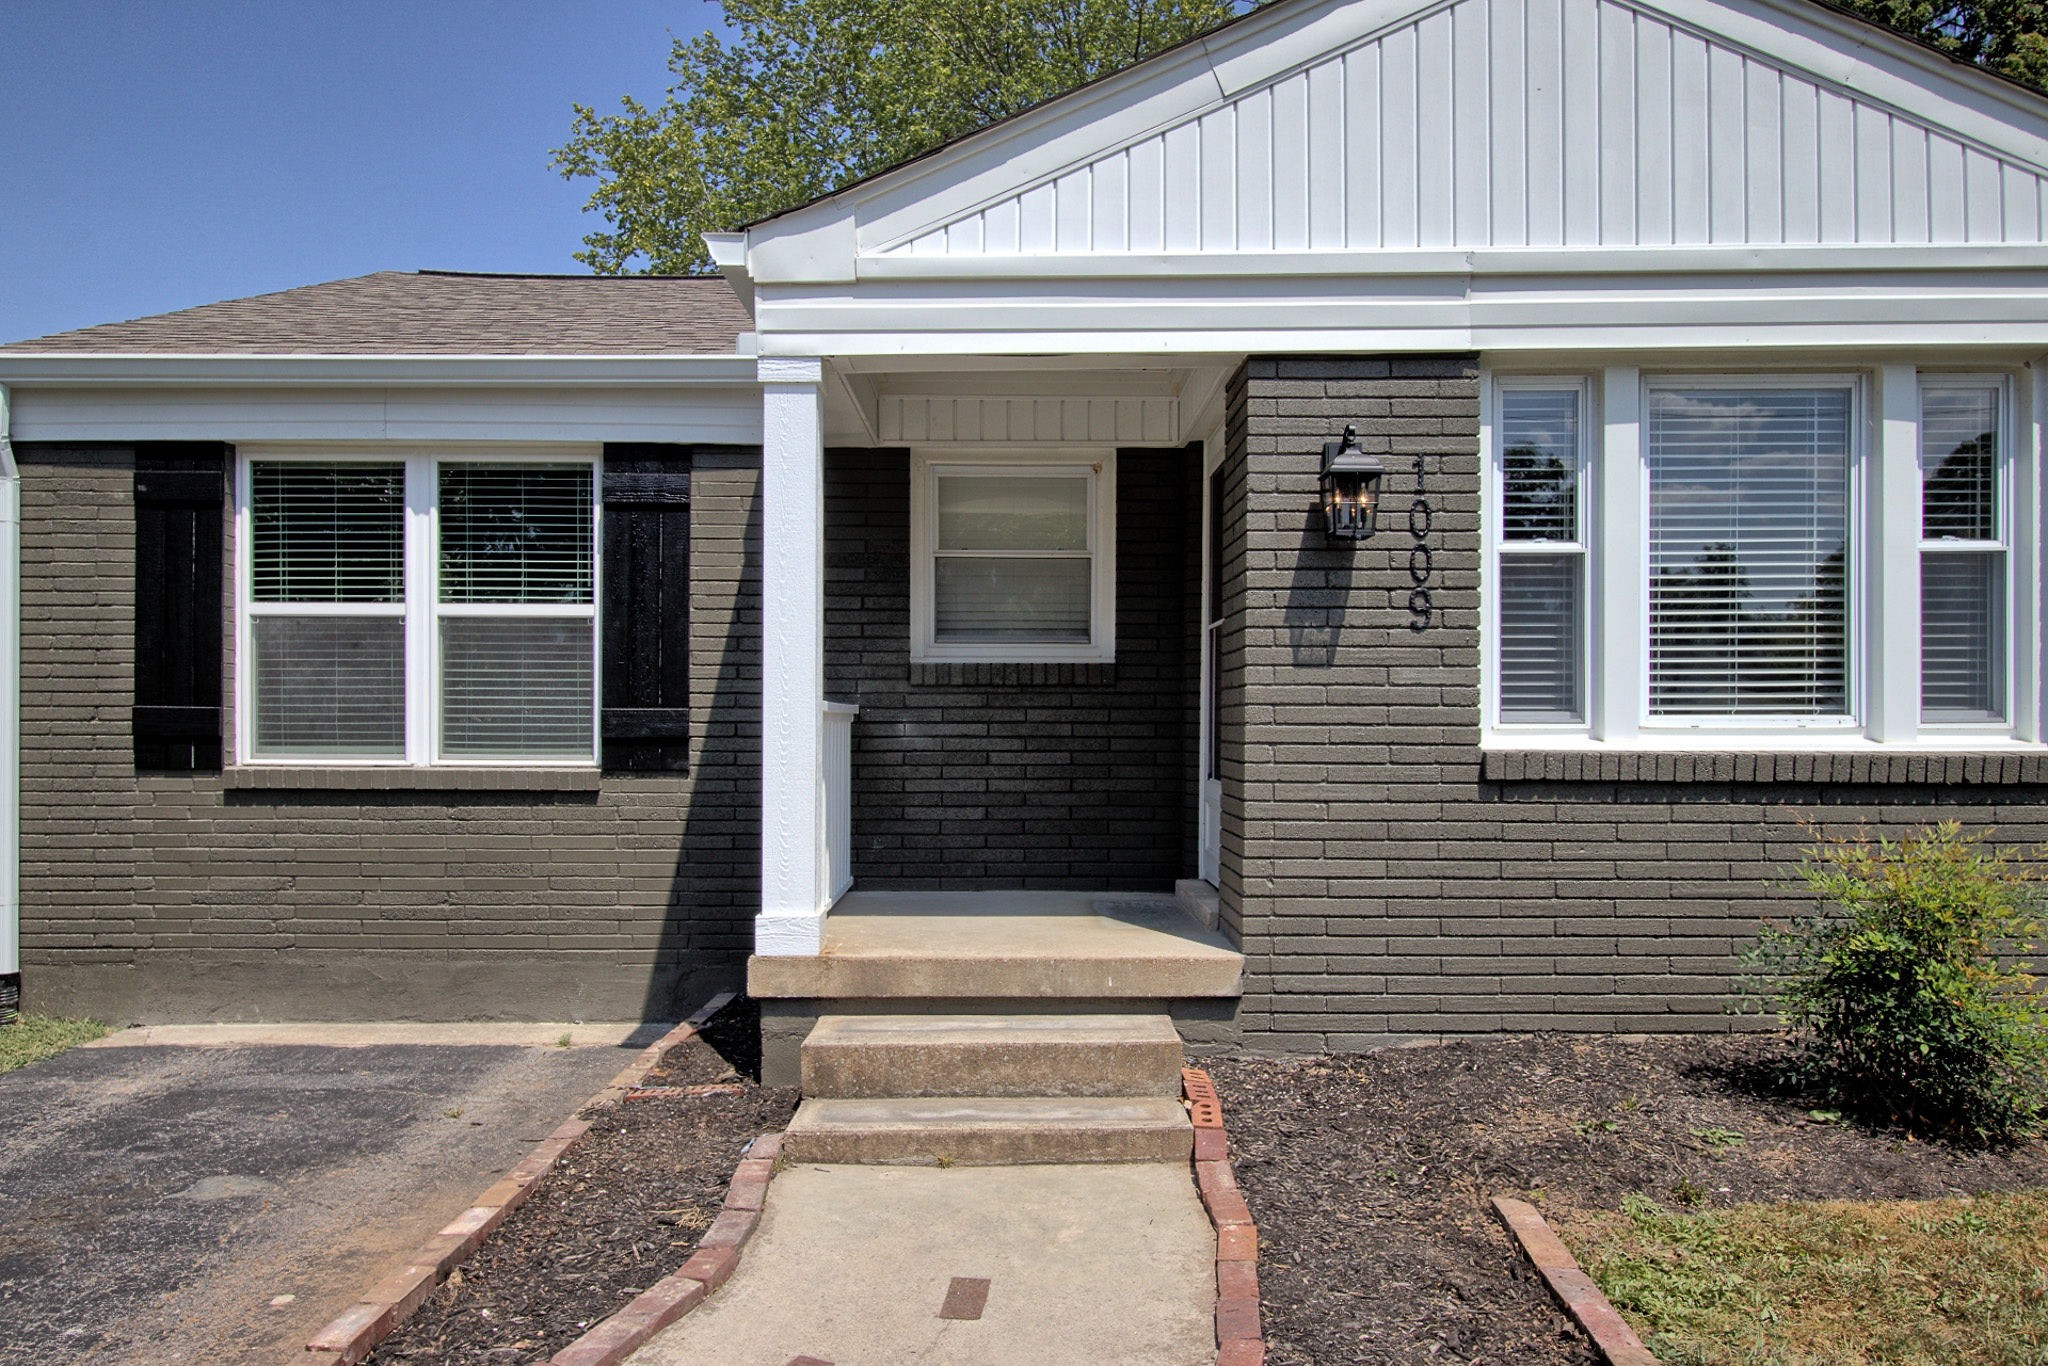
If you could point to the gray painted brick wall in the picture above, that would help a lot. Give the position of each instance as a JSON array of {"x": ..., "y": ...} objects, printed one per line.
[
  {"x": 1016, "y": 775},
  {"x": 1387, "y": 882},
  {"x": 161, "y": 897}
]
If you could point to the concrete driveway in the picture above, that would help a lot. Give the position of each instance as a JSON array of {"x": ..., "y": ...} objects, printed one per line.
[{"x": 217, "y": 1195}]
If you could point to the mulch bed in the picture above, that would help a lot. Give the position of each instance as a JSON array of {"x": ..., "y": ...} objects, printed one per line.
[
  {"x": 621, "y": 1210},
  {"x": 1369, "y": 1176}
]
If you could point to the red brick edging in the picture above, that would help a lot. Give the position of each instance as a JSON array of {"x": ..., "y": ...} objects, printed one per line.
[
  {"x": 1612, "y": 1337},
  {"x": 613, "y": 1339},
  {"x": 1239, "y": 1340},
  {"x": 392, "y": 1300}
]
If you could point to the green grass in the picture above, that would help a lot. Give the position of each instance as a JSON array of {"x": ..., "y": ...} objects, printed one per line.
[
  {"x": 1837, "y": 1283},
  {"x": 35, "y": 1037}
]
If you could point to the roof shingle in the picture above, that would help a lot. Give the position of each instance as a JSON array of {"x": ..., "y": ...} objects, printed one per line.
[{"x": 440, "y": 313}]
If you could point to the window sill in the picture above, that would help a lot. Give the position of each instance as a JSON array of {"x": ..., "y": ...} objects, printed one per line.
[
  {"x": 991, "y": 675},
  {"x": 2011, "y": 763},
  {"x": 375, "y": 778}
]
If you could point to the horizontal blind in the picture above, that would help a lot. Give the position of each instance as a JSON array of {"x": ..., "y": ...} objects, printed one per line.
[
  {"x": 328, "y": 687},
  {"x": 516, "y": 687},
  {"x": 1748, "y": 550},
  {"x": 1539, "y": 638},
  {"x": 995, "y": 599},
  {"x": 327, "y": 532},
  {"x": 1962, "y": 569},
  {"x": 1961, "y": 634},
  {"x": 516, "y": 533}
]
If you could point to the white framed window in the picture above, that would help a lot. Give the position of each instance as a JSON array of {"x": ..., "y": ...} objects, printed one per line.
[
  {"x": 429, "y": 607},
  {"x": 1681, "y": 560},
  {"x": 1013, "y": 556},
  {"x": 1965, "y": 564},
  {"x": 1748, "y": 485},
  {"x": 1539, "y": 529}
]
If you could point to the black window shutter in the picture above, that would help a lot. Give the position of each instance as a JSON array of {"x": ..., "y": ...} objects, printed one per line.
[
  {"x": 180, "y": 499},
  {"x": 645, "y": 615}
]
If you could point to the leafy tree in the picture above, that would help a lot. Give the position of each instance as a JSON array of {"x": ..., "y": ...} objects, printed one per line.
[
  {"x": 800, "y": 97},
  {"x": 2007, "y": 36}
]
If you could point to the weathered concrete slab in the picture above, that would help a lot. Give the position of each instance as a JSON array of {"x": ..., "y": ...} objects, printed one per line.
[
  {"x": 985, "y": 1130},
  {"x": 855, "y": 1056},
  {"x": 1004, "y": 945},
  {"x": 1087, "y": 1266}
]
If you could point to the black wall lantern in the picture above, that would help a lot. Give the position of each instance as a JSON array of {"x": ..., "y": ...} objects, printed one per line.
[{"x": 1351, "y": 488}]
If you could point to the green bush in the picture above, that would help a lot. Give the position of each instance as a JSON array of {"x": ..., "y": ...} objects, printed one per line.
[{"x": 1908, "y": 993}]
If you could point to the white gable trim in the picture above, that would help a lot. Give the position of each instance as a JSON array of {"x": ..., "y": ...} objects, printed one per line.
[{"x": 1525, "y": 123}]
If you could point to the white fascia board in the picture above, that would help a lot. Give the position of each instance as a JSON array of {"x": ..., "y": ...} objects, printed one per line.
[
  {"x": 723, "y": 414},
  {"x": 50, "y": 369},
  {"x": 1487, "y": 261},
  {"x": 1592, "y": 338}
]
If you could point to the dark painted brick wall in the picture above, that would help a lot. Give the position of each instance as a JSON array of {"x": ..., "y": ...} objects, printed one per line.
[
  {"x": 1386, "y": 884},
  {"x": 160, "y": 897},
  {"x": 1016, "y": 775}
]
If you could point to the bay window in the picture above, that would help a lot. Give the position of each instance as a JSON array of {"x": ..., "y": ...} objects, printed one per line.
[
  {"x": 1708, "y": 558},
  {"x": 425, "y": 609}
]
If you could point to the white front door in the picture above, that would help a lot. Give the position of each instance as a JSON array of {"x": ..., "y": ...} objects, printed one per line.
[{"x": 1210, "y": 802}]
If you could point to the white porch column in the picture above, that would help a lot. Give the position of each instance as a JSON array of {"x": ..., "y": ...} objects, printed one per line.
[{"x": 792, "y": 918}]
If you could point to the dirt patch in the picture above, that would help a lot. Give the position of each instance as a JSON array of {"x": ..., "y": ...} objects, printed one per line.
[
  {"x": 623, "y": 1209},
  {"x": 1369, "y": 1176}
]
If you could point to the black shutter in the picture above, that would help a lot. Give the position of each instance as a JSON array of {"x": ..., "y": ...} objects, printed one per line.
[
  {"x": 645, "y": 719},
  {"x": 180, "y": 497}
]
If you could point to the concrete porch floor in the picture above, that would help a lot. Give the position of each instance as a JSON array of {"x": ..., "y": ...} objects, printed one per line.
[{"x": 988, "y": 945}]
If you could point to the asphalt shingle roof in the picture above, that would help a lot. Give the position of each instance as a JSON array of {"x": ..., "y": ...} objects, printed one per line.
[{"x": 440, "y": 313}]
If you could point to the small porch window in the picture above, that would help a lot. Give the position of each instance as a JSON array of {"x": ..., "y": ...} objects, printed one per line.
[{"x": 1013, "y": 557}]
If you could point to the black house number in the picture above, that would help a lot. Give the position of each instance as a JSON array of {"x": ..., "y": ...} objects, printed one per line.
[{"x": 1421, "y": 562}]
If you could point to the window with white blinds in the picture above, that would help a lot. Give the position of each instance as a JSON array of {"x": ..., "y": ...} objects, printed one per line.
[
  {"x": 1014, "y": 561},
  {"x": 327, "y": 602},
  {"x": 1748, "y": 548},
  {"x": 516, "y": 611},
  {"x": 1542, "y": 555},
  {"x": 1963, "y": 553},
  {"x": 419, "y": 610},
  {"x": 1677, "y": 556}
]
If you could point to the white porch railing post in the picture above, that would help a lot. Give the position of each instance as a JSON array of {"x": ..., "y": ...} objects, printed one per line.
[{"x": 793, "y": 891}]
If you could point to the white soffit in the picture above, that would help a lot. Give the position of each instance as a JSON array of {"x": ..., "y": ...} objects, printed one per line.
[{"x": 1347, "y": 125}]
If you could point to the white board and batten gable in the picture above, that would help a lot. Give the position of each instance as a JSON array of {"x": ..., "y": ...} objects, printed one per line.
[{"x": 1489, "y": 174}]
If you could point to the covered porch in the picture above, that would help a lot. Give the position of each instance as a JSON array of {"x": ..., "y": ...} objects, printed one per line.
[{"x": 993, "y": 630}]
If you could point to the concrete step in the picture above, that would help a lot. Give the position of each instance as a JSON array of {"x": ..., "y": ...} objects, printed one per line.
[
  {"x": 970, "y": 946},
  {"x": 985, "y": 1131},
  {"x": 876, "y": 1056}
]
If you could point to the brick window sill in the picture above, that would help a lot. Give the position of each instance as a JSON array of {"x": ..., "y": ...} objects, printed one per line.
[
  {"x": 1068, "y": 674},
  {"x": 2009, "y": 766},
  {"x": 264, "y": 778}
]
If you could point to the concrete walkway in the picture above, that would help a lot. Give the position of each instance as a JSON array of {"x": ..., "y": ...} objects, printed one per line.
[
  {"x": 1086, "y": 1266},
  {"x": 191, "y": 1195}
]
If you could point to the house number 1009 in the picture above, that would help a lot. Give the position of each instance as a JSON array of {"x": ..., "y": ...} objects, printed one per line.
[{"x": 1421, "y": 562}]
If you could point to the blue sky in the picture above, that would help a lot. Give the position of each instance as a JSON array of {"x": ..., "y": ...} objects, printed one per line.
[{"x": 162, "y": 154}]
